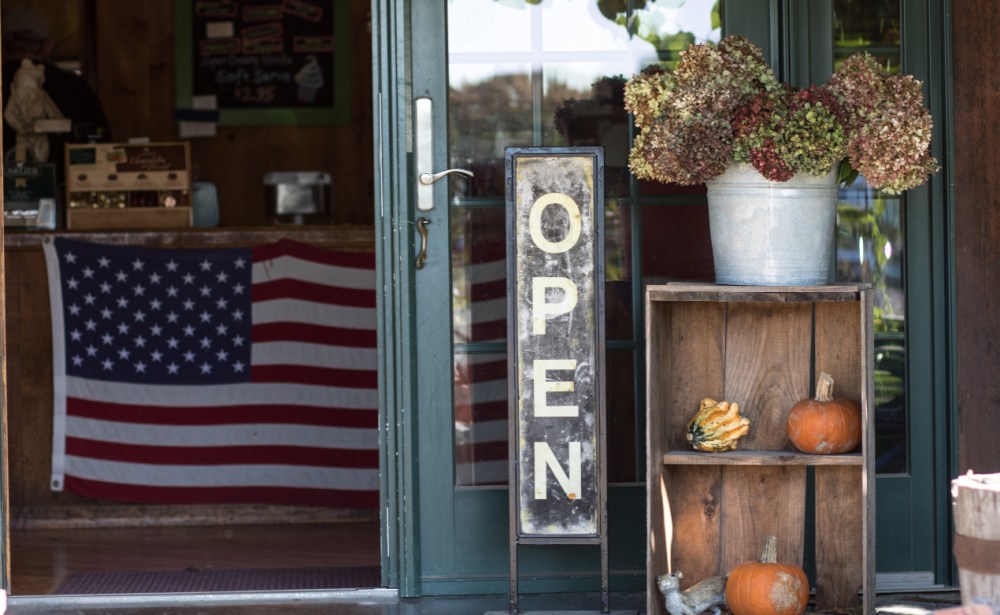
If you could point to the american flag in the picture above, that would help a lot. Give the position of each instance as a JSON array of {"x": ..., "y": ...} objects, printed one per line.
[{"x": 214, "y": 376}]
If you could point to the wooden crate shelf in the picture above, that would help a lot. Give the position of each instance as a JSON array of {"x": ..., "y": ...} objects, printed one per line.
[{"x": 761, "y": 347}]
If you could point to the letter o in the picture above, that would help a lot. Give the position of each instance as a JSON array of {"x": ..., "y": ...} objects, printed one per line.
[{"x": 535, "y": 222}]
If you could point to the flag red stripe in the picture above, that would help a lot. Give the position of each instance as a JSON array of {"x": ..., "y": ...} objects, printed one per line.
[
  {"x": 306, "y": 252},
  {"x": 222, "y": 455},
  {"x": 316, "y": 334},
  {"x": 484, "y": 291},
  {"x": 482, "y": 451},
  {"x": 320, "y": 376},
  {"x": 490, "y": 330},
  {"x": 335, "y": 498},
  {"x": 481, "y": 372},
  {"x": 223, "y": 415},
  {"x": 313, "y": 292}
]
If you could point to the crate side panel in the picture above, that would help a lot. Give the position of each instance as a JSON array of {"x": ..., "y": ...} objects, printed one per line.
[
  {"x": 839, "y": 539},
  {"x": 768, "y": 352},
  {"x": 695, "y": 496}
]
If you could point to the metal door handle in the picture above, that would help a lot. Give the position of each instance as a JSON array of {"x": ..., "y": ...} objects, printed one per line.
[
  {"x": 422, "y": 229},
  {"x": 423, "y": 129},
  {"x": 429, "y": 178}
]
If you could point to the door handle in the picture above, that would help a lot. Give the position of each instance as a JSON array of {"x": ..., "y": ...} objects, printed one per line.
[
  {"x": 422, "y": 229},
  {"x": 423, "y": 130},
  {"x": 427, "y": 179}
]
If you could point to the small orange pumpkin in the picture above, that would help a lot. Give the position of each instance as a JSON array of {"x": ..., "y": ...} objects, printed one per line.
[
  {"x": 767, "y": 587},
  {"x": 824, "y": 425}
]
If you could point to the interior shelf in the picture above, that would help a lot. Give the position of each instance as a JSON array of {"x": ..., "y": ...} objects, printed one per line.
[{"x": 759, "y": 458}]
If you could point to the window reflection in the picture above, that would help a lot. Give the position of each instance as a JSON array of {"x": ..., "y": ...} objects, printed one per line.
[
  {"x": 870, "y": 237},
  {"x": 552, "y": 73}
]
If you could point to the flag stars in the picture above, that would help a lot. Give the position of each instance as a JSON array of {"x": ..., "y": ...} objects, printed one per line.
[
  {"x": 77, "y": 360},
  {"x": 122, "y": 302},
  {"x": 108, "y": 365},
  {"x": 238, "y": 367},
  {"x": 156, "y": 330},
  {"x": 106, "y": 313},
  {"x": 172, "y": 292},
  {"x": 206, "y": 368},
  {"x": 88, "y": 273},
  {"x": 173, "y": 368},
  {"x": 188, "y": 278},
  {"x": 139, "y": 316},
  {"x": 221, "y": 329},
  {"x": 70, "y": 258},
  {"x": 188, "y": 331},
  {"x": 173, "y": 343},
  {"x": 222, "y": 277},
  {"x": 76, "y": 335},
  {"x": 91, "y": 350},
  {"x": 89, "y": 299},
  {"x": 205, "y": 291},
  {"x": 189, "y": 357},
  {"x": 73, "y": 283},
  {"x": 105, "y": 288},
  {"x": 137, "y": 265},
  {"x": 205, "y": 317},
  {"x": 104, "y": 262},
  {"x": 172, "y": 266},
  {"x": 238, "y": 315},
  {"x": 205, "y": 343},
  {"x": 140, "y": 342},
  {"x": 140, "y": 368},
  {"x": 221, "y": 356},
  {"x": 123, "y": 354},
  {"x": 154, "y": 278},
  {"x": 121, "y": 276},
  {"x": 238, "y": 289},
  {"x": 107, "y": 339},
  {"x": 238, "y": 341},
  {"x": 123, "y": 328},
  {"x": 156, "y": 356},
  {"x": 172, "y": 318},
  {"x": 240, "y": 263},
  {"x": 74, "y": 310},
  {"x": 139, "y": 290},
  {"x": 90, "y": 324},
  {"x": 221, "y": 303},
  {"x": 155, "y": 304},
  {"x": 188, "y": 304},
  {"x": 206, "y": 265}
]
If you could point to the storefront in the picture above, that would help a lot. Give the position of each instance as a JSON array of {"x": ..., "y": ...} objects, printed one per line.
[{"x": 493, "y": 74}]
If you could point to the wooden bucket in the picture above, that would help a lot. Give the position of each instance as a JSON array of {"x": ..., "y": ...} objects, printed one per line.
[{"x": 976, "y": 504}]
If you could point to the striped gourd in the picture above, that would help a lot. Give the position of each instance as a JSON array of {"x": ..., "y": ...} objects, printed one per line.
[{"x": 717, "y": 426}]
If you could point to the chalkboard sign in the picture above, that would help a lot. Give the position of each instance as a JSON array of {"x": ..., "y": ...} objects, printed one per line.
[{"x": 265, "y": 61}]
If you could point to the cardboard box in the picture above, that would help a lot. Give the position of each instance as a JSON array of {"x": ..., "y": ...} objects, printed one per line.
[{"x": 128, "y": 185}]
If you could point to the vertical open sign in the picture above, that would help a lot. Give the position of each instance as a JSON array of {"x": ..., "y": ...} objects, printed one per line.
[{"x": 555, "y": 267}]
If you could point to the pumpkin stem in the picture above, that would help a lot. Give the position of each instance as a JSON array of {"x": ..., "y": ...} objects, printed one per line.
[
  {"x": 824, "y": 388},
  {"x": 770, "y": 553}
]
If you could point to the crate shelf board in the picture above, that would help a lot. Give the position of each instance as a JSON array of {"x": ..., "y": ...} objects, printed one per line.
[
  {"x": 761, "y": 347},
  {"x": 759, "y": 458},
  {"x": 683, "y": 291}
]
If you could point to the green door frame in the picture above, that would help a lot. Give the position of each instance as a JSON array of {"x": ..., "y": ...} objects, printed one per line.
[{"x": 926, "y": 50}]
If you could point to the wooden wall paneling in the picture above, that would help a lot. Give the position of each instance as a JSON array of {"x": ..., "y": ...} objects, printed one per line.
[
  {"x": 976, "y": 158},
  {"x": 135, "y": 76}
]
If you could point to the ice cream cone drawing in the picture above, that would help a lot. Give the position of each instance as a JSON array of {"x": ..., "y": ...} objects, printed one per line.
[{"x": 310, "y": 80}]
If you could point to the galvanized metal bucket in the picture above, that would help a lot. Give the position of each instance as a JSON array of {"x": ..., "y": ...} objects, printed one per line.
[{"x": 772, "y": 233}]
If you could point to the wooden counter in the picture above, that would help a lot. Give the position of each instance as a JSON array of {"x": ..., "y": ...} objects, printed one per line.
[{"x": 29, "y": 348}]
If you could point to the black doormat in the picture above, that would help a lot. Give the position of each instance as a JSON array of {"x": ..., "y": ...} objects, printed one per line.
[{"x": 210, "y": 580}]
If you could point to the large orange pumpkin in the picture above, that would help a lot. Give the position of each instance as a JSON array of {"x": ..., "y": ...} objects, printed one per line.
[
  {"x": 767, "y": 587},
  {"x": 824, "y": 425}
]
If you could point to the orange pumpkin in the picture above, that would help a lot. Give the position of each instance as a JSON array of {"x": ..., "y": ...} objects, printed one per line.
[
  {"x": 767, "y": 587},
  {"x": 824, "y": 425}
]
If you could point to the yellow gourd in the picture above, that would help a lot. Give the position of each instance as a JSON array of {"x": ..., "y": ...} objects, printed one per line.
[{"x": 717, "y": 426}]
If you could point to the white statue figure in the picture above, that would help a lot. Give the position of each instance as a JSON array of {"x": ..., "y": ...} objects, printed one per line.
[{"x": 28, "y": 103}]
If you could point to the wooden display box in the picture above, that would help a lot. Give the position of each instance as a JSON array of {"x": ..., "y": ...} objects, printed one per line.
[
  {"x": 761, "y": 347},
  {"x": 113, "y": 186}
]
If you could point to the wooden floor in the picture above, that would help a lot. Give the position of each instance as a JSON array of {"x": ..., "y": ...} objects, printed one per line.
[{"x": 42, "y": 558}]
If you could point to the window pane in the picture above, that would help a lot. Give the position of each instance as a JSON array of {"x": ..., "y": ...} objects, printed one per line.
[
  {"x": 676, "y": 245},
  {"x": 479, "y": 275},
  {"x": 480, "y": 419}
]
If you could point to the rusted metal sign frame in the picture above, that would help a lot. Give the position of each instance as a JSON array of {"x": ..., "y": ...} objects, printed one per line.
[{"x": 556, "y": 320}]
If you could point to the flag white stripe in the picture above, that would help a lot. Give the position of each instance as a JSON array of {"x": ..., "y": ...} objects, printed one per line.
[
  {"x": 490, "y": 271},
  {"x": 220, "y": 395},
  {"x": 263, "y": 475},
  {"x": 314, "y": 355},
  {"x": 485, "y": 431},
  {"x": 292, "y": 268},
  {"x": 489, "y": 310},
  {"x": 251, "y": 434},
  {"x": 296, "y": 310}
]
